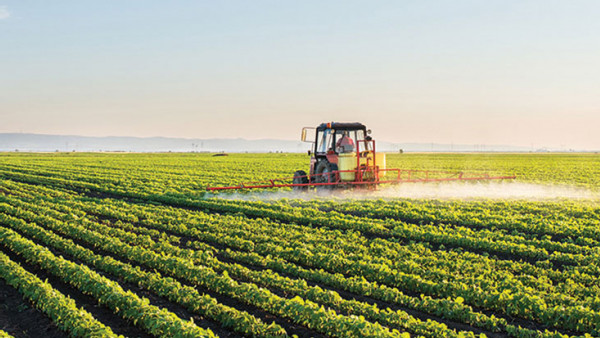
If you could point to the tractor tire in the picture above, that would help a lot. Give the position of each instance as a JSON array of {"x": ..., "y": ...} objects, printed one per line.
[
  {"x": 300, "y": 177},
  {"x": 324, "y": 171}
]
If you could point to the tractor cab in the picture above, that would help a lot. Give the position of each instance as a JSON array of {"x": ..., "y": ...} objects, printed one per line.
[
  {"x": 336, "y": 138},
  {"x": 340, "y": 152}
]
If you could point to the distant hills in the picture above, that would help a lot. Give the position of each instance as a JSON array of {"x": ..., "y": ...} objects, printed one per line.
[{"x": 51, "y": 143}]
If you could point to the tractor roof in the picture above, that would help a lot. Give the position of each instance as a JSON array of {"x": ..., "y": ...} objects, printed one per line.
[{"x": 342, "y": 126}]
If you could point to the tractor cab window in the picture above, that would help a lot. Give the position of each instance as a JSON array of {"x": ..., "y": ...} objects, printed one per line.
[
  {"x": 360, "y": 137},
  {"x": 325, "y": 141},
  {"x": 345, "y": 141}
]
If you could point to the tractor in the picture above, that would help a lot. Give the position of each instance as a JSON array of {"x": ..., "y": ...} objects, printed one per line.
[{"x": 342, "y": 154}]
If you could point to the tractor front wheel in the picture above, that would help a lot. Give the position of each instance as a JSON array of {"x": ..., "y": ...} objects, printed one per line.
[
  {"x": 300, "y": 177},
  {"x": 326, "y": 172}
]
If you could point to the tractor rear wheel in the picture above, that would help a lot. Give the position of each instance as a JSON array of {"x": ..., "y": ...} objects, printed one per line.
[
  {"x": 300, "y": 177},
  {"x": 325, "y": 173}
]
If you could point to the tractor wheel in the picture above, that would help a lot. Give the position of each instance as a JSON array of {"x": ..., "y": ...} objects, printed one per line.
[
  {"x": 327, "y": 175},
  {"x": 300, "y": 178}
]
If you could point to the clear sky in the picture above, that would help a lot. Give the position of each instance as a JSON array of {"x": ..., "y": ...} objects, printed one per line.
[{"x": 472, "y": 72}]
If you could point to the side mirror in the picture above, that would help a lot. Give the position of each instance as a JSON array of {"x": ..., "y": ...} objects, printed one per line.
[
  {"x": 306, "y": 135},
  {"x": 368, "y": 131}
]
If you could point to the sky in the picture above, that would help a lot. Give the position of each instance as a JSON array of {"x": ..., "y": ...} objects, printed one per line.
[{"x": 522, "y": 73}]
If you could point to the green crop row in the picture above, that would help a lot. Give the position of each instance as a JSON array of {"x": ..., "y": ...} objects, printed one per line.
[
  {"x": 4, "y": 334},
  {"x": 494, "y": 242},
  {"x": 537, "y": 262},
  {"x": 62, "y": 310},
  {"x": 297, "y": 309},
  {"x": 192, "y": 233},
  {"x": 192, "y": 171},
  {"x": 516, "y": 303},
  {"x": 273, "y": 251},
  {"x": 204, "y": 305},
  {"x": 572, "y": 223},
  {"x": 292, "y": 286},
  {"x": 345, "y": 224},
  {"x": 156, "y": 321}
]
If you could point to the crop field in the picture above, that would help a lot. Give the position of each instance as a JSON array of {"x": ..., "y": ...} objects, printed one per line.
[{"x": 131, "y": 244}]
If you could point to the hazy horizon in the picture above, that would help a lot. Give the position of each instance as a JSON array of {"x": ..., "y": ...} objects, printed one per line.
[
  {"x": 518, "y": 73},
  {"x": 24, "y": 142}
]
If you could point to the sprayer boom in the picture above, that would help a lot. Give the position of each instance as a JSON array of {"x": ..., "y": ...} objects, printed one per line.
[{"x": 372, "y": 179}]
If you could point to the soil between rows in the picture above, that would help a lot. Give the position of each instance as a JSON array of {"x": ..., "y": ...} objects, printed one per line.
[
  {"x": 155, "y": 300},
  {"x": 21, "y": 319},
  {"x": 559, "y": 238},
  {"x": 381, "y": 304},
  {"x": 424, "y": 316},
  {"x": 418, "y": 314},
  {"x": 102, "y": 195},
  {"x": 117, "y": 324},
  {"x": 290, "y": 327},
  {"x": 348, "y": 295}
]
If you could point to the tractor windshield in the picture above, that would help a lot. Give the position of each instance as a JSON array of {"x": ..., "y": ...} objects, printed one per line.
[
  {"x": 340, "y": 141},
  {"x": 325, "y": 141},
  {"x": 348, "y": 140}
]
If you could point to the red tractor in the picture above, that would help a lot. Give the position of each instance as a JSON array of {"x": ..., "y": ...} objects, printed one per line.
[{"x": 342, "y": 154}]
